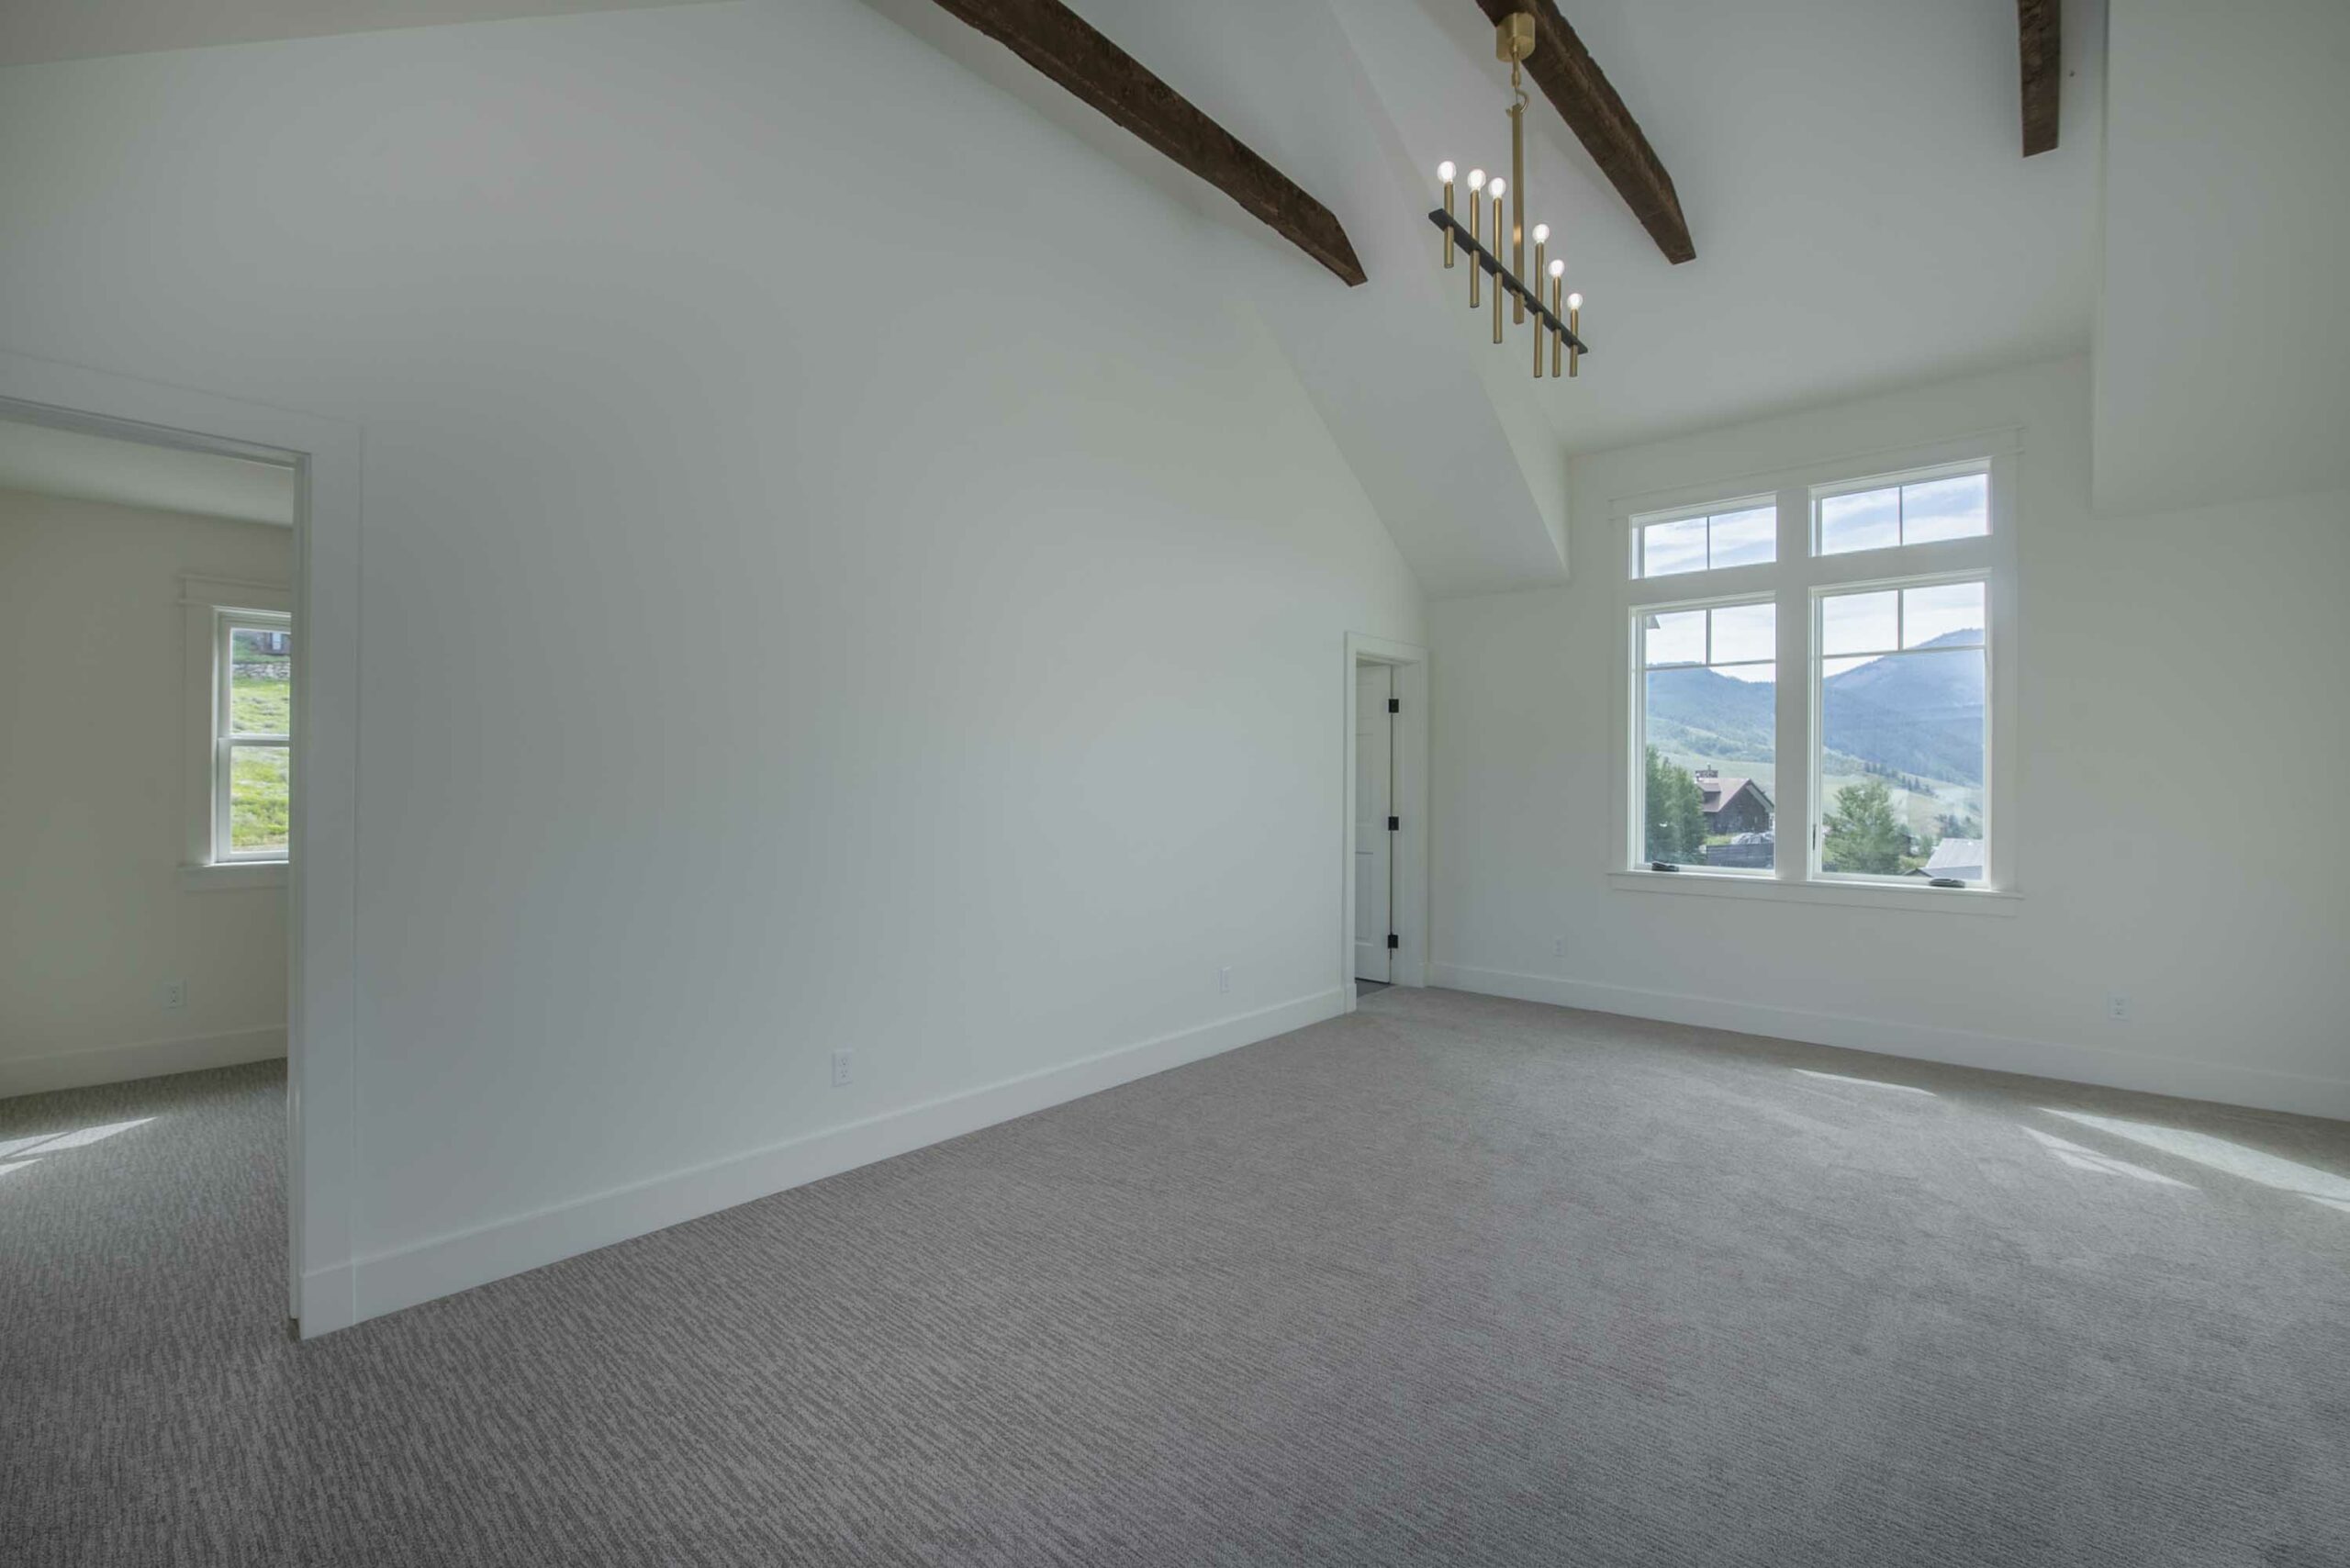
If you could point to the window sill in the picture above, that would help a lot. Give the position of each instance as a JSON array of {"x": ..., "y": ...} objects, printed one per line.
[
  {"x": 232, "y": 876},
  {"x": 1856, "y": 895}
]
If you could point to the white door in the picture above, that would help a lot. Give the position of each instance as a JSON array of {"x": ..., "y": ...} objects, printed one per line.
[{"x": 1375, "y": 797}]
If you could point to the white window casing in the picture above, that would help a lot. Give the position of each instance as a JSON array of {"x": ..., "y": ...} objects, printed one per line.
[{"x": 1797, "y": 580}]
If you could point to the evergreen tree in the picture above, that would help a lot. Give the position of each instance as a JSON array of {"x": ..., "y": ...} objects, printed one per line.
[
  {"x": 1676, "y": 813},
  {"x": 1864, "y": 835}
]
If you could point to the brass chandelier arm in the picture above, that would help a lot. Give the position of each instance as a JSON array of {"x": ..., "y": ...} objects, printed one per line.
[{"x": 1523, "y": 293}]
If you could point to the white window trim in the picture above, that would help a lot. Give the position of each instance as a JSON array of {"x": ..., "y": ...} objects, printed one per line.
[
  {"x": 1888, "y": 894},
  {"x": 210, "y": 605},
  {"x": 1795, "y": 580}
]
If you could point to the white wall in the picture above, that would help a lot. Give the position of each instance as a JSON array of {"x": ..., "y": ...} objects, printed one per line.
[
  {"x": 2181, "y": 738},
  {"x": 2222, "y": 328},
  {"x": 842, "y": 567},
  {"x": 92, "y": 817}
]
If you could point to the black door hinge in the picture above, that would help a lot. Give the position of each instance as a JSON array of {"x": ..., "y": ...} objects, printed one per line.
[
  {"x": 1394, "y": 824},
  {"x": 1394, "y": 705},
  {"x": 1394, "y": 940}
]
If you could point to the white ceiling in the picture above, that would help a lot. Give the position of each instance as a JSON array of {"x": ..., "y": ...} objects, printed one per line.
[
  {"x": 1851, "y": 170},
  {"x": 129, "y": 472},
  {"x": 35, "y": 30},
  {"x": 1464, "y": 472},
  {"x": 1853, "y": 179}
]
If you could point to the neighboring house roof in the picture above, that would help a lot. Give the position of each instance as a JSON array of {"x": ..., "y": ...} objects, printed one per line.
[
  {"x": 1960, "y": 857},
  {"x": 1715, "y": 792}
]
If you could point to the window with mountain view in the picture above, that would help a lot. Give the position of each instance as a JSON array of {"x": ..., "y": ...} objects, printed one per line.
[
  {"x": 1875, "y": 590},
  {"x": 1902, "y": 738},
  {"x": 1707, "y": 735}
]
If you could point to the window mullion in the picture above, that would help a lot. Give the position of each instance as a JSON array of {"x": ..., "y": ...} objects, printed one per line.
[
  {"x": 223, "y": 721},
  {"x": 1791, "y": 745},
  {"x": 1791, "y": 737}
]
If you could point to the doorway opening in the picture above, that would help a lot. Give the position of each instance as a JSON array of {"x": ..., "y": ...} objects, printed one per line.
[
  {"x": 182, "y": 577},
  {"x": 1376, "y": 824},
  {"x": 150, "y": 689},
  {"x": 1385, "y": 914}
]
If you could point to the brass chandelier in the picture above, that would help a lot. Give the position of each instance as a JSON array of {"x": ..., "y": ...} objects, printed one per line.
[{"x": 1561, "y": 320}]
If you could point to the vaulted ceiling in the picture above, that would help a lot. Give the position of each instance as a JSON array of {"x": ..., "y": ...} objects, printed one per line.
[
  {"x": 1850, "y": 170},
  {"x": 34, "y": 30},
  {"x": 1862, "y": 215}
]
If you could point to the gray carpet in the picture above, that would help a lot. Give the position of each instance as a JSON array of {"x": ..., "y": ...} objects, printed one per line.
[{"x": 1453, "y": 1279}]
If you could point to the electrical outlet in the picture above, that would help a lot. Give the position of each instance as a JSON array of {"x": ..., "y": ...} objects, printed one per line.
[
  {"x": 2116, "y": 1007},
  {"x": 172, "y": 995},
  {"x": 844, "y": 1064},
  {"x": 1223, "y": 981},
  {"x": 1558, "y": 948}
]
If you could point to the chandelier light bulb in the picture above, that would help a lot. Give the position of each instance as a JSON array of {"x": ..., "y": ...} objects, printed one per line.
[
  {"x": 1497, "y": 186},
  {"x": 1541, "y": 233},
  {"x": 1476, "y": 179},
  {"x": 1558, "y": 269},
  {"x": 1575, "y": 301},
  {"x": 1444, "y": 171}
]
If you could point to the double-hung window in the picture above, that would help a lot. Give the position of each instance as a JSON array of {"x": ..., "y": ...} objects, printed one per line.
[
  {"x": 240, "y": 657},
  {"x": 252, "y": 736},
  {"x": 1813, "y": 700}
]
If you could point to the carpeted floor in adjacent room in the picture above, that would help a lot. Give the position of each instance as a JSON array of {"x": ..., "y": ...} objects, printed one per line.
[{"x": 1451, "y": 1281}]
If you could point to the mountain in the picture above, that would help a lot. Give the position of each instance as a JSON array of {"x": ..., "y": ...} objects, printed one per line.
[
  {"x": 1922, "y": 713},
  {"x": 1919, "y": 714},
  {"x": 1698, "y": 714}
]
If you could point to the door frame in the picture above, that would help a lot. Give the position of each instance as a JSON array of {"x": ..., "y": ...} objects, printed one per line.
[
  {"x": 322, "y": 881},
  {"x": 1408, "y": 868}
]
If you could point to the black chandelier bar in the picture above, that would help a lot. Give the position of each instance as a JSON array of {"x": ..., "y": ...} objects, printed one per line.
[{"x": 1503, "y": 278}]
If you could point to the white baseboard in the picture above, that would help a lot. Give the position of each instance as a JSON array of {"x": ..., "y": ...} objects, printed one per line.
[
  {"x": 327, "y": 1301},
  {"x": 385, "y": 1281},
  {"x": 147, "y": 1058},
  {"x": 2260, "y": 1088}
]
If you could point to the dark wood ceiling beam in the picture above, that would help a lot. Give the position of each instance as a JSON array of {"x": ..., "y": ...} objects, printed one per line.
[
  {"x": 1573, "y": 82},
  {"x": 1069, "y": 50},
  {"x": 2043, "y": 71}
]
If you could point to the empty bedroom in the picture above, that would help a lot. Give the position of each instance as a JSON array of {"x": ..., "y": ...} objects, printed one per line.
[{"x": 1264, "y": 782}]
